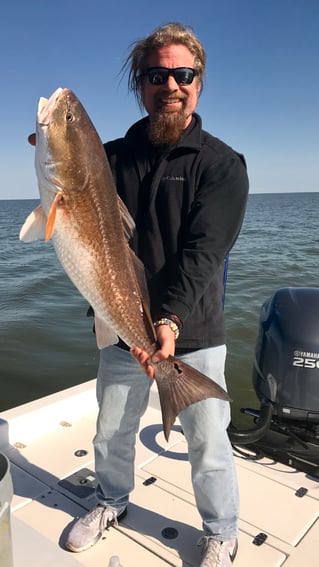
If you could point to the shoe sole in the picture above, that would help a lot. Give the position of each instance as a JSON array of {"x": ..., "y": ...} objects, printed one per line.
[{"x": 69, "y": 547}]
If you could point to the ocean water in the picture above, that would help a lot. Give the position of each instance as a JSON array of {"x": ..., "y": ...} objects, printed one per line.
[{"x": 46, "y": 340}]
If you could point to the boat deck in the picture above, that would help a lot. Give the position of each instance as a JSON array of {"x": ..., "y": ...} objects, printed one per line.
[{"x": 49, "y": 444}]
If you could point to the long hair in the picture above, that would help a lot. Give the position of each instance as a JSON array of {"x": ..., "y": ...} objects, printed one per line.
[{"x": 171, "y": 33}]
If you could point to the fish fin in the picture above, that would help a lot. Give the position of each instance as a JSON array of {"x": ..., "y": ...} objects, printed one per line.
[
  {"x": 105, "y": 336},
  {"x": 179, "y": 385},
  {"x": 34, "y": 226},
  {"x": 49, "y": 229},
  {"x": 148, "y": 322},
  {"x": 140, "y": 275},
  {"x": 128, "y": 222}
]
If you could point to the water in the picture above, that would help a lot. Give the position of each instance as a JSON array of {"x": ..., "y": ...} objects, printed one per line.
[
  {"x": 46, "y": 340},
  {"x": 278, "y": 247},
  {"x": 46, "y": 343}
]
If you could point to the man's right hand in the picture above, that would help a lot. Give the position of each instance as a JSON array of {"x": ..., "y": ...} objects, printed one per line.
[{"x": 166, "y": 342}]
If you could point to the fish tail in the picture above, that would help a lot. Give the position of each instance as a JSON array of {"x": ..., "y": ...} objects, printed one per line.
[{"x": 179, "y": 385}]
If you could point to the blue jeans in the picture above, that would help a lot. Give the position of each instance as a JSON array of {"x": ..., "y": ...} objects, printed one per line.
[{"x": 122, "y": 394}]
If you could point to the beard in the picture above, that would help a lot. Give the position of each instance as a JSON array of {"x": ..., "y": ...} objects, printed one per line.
[{"x": 166, "y": 128}]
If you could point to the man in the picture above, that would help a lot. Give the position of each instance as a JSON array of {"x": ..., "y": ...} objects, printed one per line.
[{"x": 186, "y": 191}]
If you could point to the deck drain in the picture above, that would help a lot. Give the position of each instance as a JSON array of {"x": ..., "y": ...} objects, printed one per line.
[
  {"x": 169, "y": 533},
  {"x": 302, "y": 491},
  {"x": 260, "y": 539},
  {"x": 149, "y": 481},
  {"x": 80, "y": 453}
]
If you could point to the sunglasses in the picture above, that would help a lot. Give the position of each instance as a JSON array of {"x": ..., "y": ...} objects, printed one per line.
[{"x": 159, "y": 75}]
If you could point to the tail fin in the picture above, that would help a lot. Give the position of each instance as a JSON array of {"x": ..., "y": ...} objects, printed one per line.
[{"x": 179, "y": 385}]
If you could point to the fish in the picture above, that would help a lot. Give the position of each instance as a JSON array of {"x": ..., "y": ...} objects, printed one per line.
[{"x": 90, "y": 227}]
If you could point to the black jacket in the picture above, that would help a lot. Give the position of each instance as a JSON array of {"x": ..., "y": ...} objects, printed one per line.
[{"x": 188, "y": 204}]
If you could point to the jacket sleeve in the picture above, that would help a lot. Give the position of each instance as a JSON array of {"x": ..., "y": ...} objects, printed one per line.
[{"x": 213, "y": 226}]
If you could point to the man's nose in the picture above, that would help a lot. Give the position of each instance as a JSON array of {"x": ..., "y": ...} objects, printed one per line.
[{"x": 171, "y": 84}]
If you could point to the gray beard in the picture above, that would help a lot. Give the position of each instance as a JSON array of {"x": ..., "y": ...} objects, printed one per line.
[{"x": 166, "y": 128}]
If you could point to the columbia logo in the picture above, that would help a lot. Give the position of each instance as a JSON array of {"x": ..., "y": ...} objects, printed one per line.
[{"x": 173, "y": 178}]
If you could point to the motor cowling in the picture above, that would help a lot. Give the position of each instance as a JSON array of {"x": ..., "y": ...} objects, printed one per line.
[{"x": 286, "y": 368}]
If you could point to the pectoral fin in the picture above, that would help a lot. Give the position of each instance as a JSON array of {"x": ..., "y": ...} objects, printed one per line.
[
  {"x": 34, "y": 226},
  {"x": 49, "y": 229}
]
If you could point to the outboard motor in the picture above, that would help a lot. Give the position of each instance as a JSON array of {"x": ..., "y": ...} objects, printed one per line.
[
  {"x": 286, "y": 369},
  {"x": 286, "y": 381}
]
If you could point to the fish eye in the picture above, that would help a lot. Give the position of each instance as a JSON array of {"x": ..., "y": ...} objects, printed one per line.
[{"x": 69, "y": 117}]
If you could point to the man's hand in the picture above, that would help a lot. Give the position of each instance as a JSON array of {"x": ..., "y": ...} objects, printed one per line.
[{"x": 166, "y": 342}]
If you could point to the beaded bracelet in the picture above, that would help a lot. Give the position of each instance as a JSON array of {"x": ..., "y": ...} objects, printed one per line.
[
  {"x": 173, "y": 318},
  {"x": 170, "y": 323}
]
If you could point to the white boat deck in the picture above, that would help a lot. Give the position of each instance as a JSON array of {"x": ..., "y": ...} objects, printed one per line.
[{"x": 52, "y": 485}]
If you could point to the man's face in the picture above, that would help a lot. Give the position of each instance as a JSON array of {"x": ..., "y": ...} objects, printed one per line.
[{"x": 170, "y": 105}]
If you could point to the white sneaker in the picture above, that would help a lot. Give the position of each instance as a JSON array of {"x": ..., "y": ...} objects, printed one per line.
[
  {"x": 89, "y": 529},
  {"x": 217, "y": 553}
]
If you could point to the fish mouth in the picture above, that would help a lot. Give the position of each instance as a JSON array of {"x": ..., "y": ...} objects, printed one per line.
[{"x": 46, "y": 107}]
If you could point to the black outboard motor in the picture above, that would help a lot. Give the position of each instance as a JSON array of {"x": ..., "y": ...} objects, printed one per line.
[
  {"x": 287, "y": 350},
  {"x": 286, "y": 381}
]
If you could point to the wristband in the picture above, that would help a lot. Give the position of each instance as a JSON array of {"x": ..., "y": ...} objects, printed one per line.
[
  {"x": 173, "y": 318},
  {"x": 170, "y": 323}
]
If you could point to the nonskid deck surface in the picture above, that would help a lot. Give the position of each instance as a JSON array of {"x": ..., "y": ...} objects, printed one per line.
[{"x": 49, "y": 444}]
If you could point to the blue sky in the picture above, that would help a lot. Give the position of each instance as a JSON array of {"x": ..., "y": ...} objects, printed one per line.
[{"x": 261, "y": 93}]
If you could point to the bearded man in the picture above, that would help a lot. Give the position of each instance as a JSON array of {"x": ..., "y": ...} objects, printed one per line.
[{"x": 186, "y": 191}]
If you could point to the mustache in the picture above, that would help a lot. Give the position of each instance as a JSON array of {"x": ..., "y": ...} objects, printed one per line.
[{"x": 159, "y": 98}]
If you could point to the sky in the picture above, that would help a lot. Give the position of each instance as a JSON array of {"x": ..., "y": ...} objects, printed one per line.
[{"x": 261, "y": 92}]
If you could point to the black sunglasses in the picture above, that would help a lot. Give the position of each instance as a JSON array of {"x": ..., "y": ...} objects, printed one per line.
[{"x": 159, "y": 75}]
